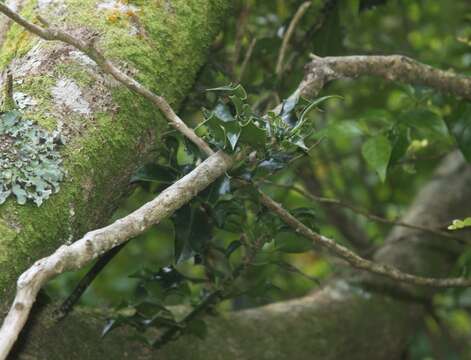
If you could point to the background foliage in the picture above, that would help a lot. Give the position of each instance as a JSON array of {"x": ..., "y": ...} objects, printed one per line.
[{"x": 378, "y": 144}]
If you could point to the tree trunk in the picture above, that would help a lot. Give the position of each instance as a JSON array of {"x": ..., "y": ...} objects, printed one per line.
[{"x": 109, "y": 131}]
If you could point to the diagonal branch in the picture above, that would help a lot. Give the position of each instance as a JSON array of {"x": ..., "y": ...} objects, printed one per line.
[
  {"x": 289, "y": 33},
  {"x": 96, "y": 242},
  {"x": 400, "y": 68},
  {"x": 363, "y": 212},
  {"x": 90, "y": 49},
  {"x": 355, "y": 260}
]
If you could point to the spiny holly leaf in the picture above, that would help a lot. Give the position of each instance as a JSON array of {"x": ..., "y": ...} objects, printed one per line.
[{"x": 237, "y": 90}]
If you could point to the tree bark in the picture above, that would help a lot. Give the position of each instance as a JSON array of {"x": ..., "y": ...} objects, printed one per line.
[{"x": 109, "y": 131}]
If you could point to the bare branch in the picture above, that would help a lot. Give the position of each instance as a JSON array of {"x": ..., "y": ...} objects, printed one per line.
[
  {"x": 355, "y": 260},
  {"x": 391, "y": 68},
  {"x": 97, "y": 242},
  {"x": 90, "y": 49},
  {"x": 363, "y": 212},
  {"x": 289, "y": 33},
  {"x": 247, "y": 57}
]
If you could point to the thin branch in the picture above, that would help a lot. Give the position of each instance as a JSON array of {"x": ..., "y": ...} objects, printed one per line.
[
  {"x": 363, "y": 212},
  {"x": 241, "y": 25},
  {"x": 391, "y": 68},
  {"x": 97, "y": 242},
  {"x": 214, "y": 297},
  {"x": 247, "y": 57},
  {"x": 351, "y": 231},
  {"x": 89, "y": 48},
  {"x": 353, "y": 259},
  {"x": 69, "y": 303},
  {"x": 289, "y": 33}
]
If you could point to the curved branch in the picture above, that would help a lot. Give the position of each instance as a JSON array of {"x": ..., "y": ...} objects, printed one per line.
[
  {"x": 97, "y": 242},
  {"x": 391, "y": 68},
  {"x": 89, "y": 48},
  {"x": 289, "y": 33},
  {"x": 363, "y": 212},
  {"x": 355, "y": 260}
]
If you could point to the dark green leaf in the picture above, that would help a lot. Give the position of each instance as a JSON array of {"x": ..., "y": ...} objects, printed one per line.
[
  {"x": 290, "y": 242},
  {"x": 377, "y": 152},
  {"x": 192, "y": 231},
  {"x": 155, "y": 173},
  {"x": 426, "y": 121},
  {"x": 461, "y": 130}
]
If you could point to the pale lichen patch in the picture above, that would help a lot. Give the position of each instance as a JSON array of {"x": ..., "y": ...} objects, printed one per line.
[
  {"x": 116, "y": 5},
  {"x": 23, "y": 100},
  {"x": 30, "y": 63},
  {"x": 29, "y": 161},
  {"x": 67, "y": 93},
  {"x": 81, "y": 58}
]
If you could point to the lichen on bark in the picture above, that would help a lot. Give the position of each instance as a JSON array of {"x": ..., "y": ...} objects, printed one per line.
[{"x": 30, "y": 165}]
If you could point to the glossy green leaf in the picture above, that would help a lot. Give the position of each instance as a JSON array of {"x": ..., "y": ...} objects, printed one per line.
[
  {"x": 461, "y": 130},
  {"x": 426, "y": 121},
  {"x": 192, "y": 231},
  {"x": 377, "y": 152}
]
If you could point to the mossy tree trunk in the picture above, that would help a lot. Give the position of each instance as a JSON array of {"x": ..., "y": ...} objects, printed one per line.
[{"x": 109, "y": 131}]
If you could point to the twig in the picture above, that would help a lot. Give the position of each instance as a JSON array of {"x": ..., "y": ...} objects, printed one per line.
[
  {"x": 69, "y": 303},
  {"x": 241, "y": 25},
  {"x": 214, "y": 297},
  {"x": 247, "y": 57},
  {"x": 97, "y": 242},
  {"x": 289, "y": 33},
  {"x": 363, "y": 212},
  {"x": 391, "y": 68},
  {"x": 353, "y": 259},
  {"x": 90, "y": 49}
]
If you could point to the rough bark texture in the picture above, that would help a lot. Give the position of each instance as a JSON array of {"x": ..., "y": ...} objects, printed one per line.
[
  {"x": 109, "y": 131},
  {"x": 391, "y": 68},
  {"x": 342, "y": 320}
]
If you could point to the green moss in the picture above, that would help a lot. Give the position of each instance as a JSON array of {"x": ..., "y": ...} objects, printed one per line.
[
  {"x": 18, "y": 41},
  {"x": 74, "y": 71},
  {"x": 100, "y": 159},
  {"x": 8, "y": 235},
  {"x": 39, "y": 88}
]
